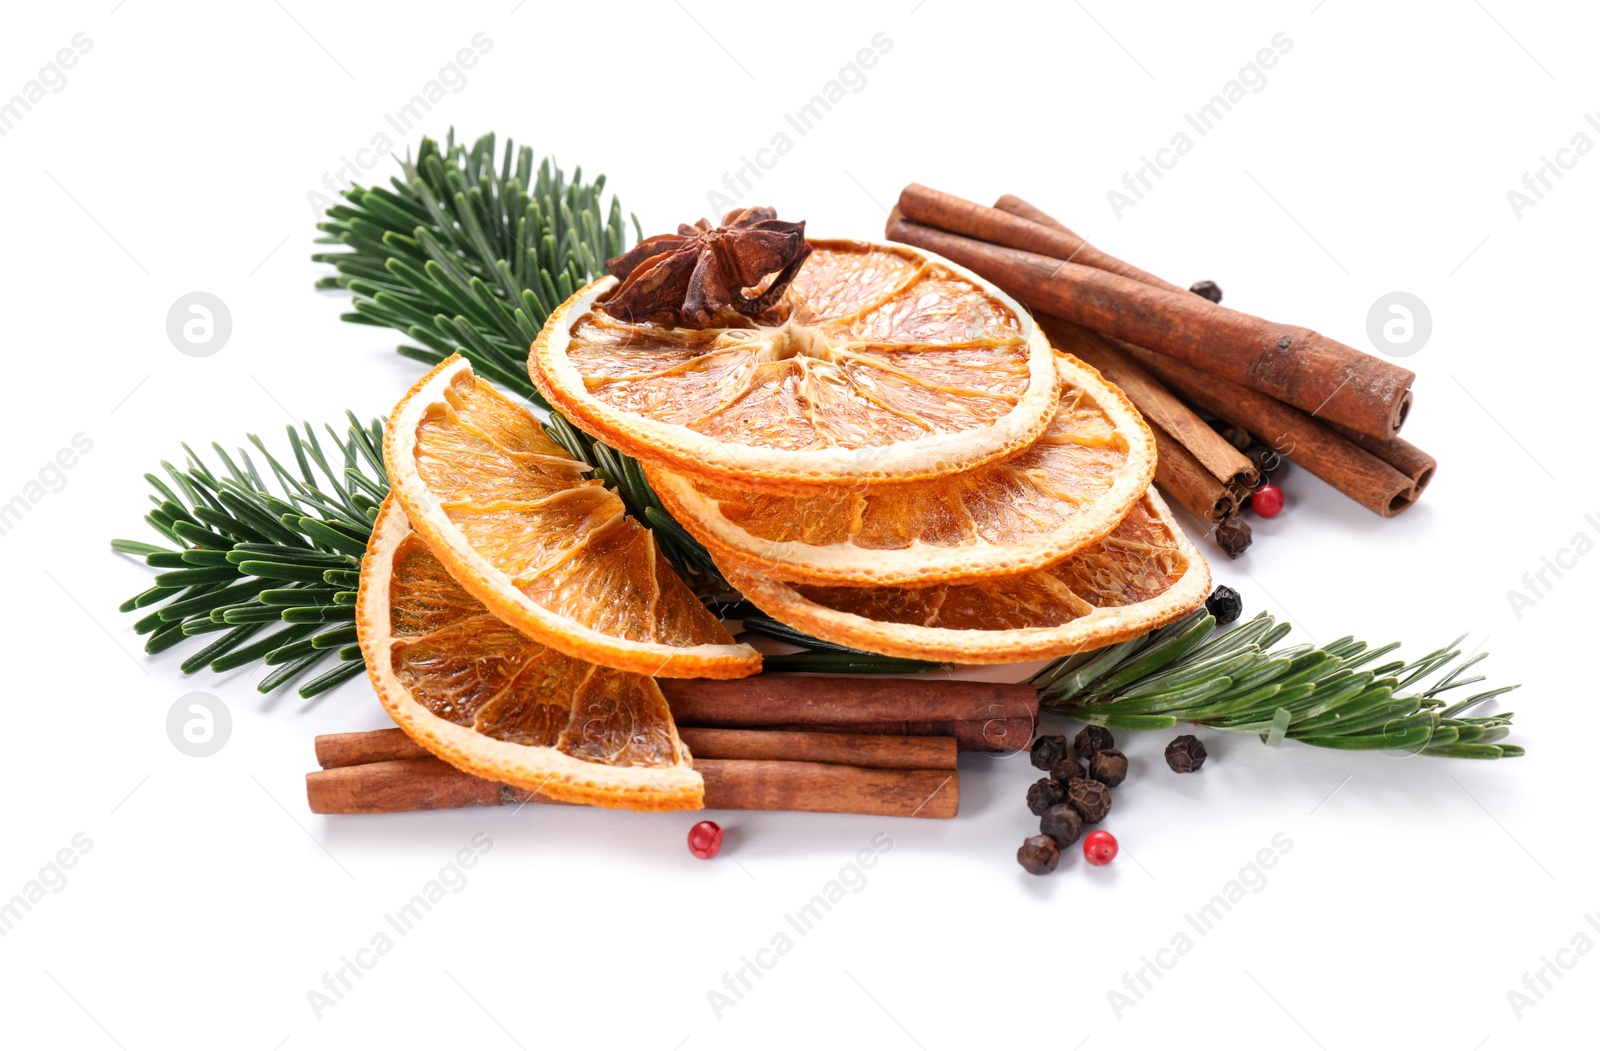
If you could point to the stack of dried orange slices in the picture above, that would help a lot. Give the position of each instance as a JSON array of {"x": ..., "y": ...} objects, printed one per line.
[
  {"x": 889, "y": 456},
  {"x": 876, "y": 447}
]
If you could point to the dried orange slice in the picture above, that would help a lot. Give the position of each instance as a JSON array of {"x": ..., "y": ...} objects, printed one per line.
[
  {"x": 547, "y": 550},
  {"x": 879, "y": 364},
  {"x": 1066, "y": 490},
  {"x": 1142, "y": 575},
  {"x": 488, "y": 700}
]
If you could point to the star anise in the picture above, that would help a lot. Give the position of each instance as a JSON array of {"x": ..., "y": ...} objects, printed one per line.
[{"x": 690, "y": 277}]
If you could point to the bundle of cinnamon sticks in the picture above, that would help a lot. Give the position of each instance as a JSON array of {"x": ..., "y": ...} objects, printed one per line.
[
  {"x": 846, "y": 745},
  {"x": 1327, "y": 407}
]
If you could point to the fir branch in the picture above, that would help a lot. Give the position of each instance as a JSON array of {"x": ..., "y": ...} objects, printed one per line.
[
  {"x": 468, "y": 258},
  {"x": 1333, "y": 696},
  {"x": 248, "y": 559}
]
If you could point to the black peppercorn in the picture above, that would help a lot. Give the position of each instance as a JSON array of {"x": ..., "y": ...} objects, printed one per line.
[
  {"x": 1062, "y": 824},
  {"x": 1067, "y": 769},
  {"x": 1038, "y": 854},
  {"x": 1048, "y": 750},
  {"x": 1186, "y": 753},
  {"x": 1091, "y": 799},
  {"x": 1044, "y": 794},
  {"x": 1237, "y": 437},
  {"x": 1233, "y": 536},
  {"x": 1109, "y": 767},
  {"x": 1207, "y": 290},
  {"x": 1091, "y": 739},
  {"x": 1268, "y": 461},
  {"x": 1225, "y": 604}
]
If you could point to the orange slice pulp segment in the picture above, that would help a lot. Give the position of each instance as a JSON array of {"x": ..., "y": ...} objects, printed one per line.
[
  {"x": 546, "y": 549},
  {"x": 488, "y": 700}
]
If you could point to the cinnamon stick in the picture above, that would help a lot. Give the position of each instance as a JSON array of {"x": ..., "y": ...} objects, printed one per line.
[
  {"x": 949, "y": 212},
  {"x": 867, "y": 750},
  {"x": 822, "y": 788},
  {"x": 1183, "y": 478},
  {"x": 1159, "y": 406},
  {"x": 1399, "y": 454},
  {"x": 877, "y": 751},
  {"x": 368, "y": 746},
  {"x": 970, "y": 735},
  {"x": 1022, "y": 209},
  {"x": 1336, "y": 460},
  {"x": 974, "y": 712},
  {"x": 401, "y": 785},
  {"x": 1292, "y": 364}
]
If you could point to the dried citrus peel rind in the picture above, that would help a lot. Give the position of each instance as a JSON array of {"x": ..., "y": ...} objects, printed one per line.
[{"x": 1144, "y": 574}]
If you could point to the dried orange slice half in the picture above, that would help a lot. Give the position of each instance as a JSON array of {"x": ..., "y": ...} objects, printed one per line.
[
  {"x": 1066, "y": 490},
  {"x": 488, "y": 700},
  {"x": 547, "y": 550},
  {"x": 1142, "y": 575},
  {"x": 880, "y": 363}
]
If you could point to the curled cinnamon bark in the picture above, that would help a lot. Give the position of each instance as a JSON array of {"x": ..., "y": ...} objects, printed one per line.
[
  {"x": 1291, "y": 364},
  {"x": 1335, "y": 459},
  {"x": 1008, "y": 226}
]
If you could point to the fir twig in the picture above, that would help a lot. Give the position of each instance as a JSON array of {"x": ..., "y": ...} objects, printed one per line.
[
  {"x": 248, "y": 558},
  {"x": 1334, "y": 696},
  {"x": 470, "y": 258}
]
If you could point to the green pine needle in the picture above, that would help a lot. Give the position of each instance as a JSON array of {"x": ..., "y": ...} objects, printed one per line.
[
  {"x": 249, "y": 558},
  {"x": 1334, "y": 696},
  {"x": 469, "y": 258}
]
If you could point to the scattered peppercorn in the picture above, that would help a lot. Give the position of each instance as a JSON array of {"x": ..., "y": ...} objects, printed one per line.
[
  {"x": 1109, "y": 767},
  {"x": 1048, "y": 750},
  {"x": 1224, "y": 605},
  {"x": 1067, "y": 769},
  {"x": 1186, "y": 754},
  {"x": 1267, "y": 501},
  {"x": 1237, "y": 437},
  {"x": 705, "y": 839},
  {"x": 1091, "y": 739},
  {"x": 1233, "y": 536},
  {"x": 1039, "y": 855},
  {"x": 1044, "y": 794},
  {"x": 1099, "y": 847},
  {"x": 1207, "y": 290},
  {"x": 1091, "y": 799},
  {"x": 1267, "y": 460},
  {"x": 1062, "y": 824}
]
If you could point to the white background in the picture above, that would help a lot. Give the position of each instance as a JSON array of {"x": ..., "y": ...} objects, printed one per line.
[{"x": 178, "y": 157}]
